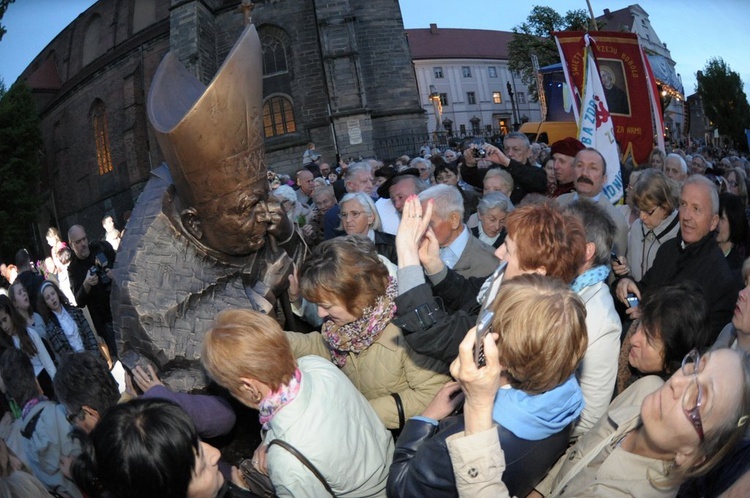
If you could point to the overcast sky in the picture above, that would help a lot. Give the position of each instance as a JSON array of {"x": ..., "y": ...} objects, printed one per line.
[{"x": 694, "y": 30}]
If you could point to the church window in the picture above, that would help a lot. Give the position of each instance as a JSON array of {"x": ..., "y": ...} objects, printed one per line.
[
  {"x": 278, "y": 117},
  {"x": 101, "y": 137}
]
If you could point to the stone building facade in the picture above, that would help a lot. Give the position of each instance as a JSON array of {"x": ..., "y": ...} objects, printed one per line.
[{"x": 336, "y": 72}]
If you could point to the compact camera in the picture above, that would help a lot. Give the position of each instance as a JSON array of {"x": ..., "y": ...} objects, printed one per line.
[
  {"x": 479, "y": 152},
  {"x": 101, "y": 265}
]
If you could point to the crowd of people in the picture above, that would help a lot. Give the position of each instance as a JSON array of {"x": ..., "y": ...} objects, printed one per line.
[{"x": 477, "y": 322}]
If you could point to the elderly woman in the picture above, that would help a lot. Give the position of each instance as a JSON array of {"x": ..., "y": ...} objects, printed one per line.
[
  {"x": 295, "y": 210},
  {"x": 674, "y": 321},
  {"x": 360, "y": 217},
  {"x": 736, "y": 183},
  {"x": 656, "y": 198},
  {"x": 324, "y": 199},
  {"x": 354, "y": 294},
  {"x": 118, "y": 459},
  {"x": 492, "y": 213},
  {"x": 498, "y": 180},
  {"x": 540, "y": 331},
  {"x": 68, "y": 331},
  {"x": 655, "y": 435},
  {"x": 308, "y": 403}
]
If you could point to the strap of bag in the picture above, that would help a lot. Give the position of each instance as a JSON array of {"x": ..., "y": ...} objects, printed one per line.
[
  {"x": 291, "y": 449},
  {"x": 400, "y": 408},
  {"x": 28, "y": 431}
]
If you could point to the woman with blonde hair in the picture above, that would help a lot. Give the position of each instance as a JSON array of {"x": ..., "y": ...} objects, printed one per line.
[
  {"x": 540, "y": 327},
  {"x": 308, "y": 403},
  {"x": 355, "y": 296}
]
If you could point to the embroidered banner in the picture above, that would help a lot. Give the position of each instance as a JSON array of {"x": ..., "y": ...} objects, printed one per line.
[{"x": 624, "y": 75}]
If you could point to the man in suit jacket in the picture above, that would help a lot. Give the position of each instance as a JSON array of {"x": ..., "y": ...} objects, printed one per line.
[
  {"x": 459, "y": 250},
  {"x": 591, "y": 175}
]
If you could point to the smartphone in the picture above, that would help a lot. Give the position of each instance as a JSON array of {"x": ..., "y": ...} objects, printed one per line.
[
  {"x": 632, "y": 300},
  {"x": 615, "y": 259},
  {"x": 484, "y": 327}
]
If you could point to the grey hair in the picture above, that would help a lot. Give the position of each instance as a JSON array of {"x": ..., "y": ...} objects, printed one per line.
[
  {"x": 418, "y": 186},
  {"x": 599, "y": 227},
  {"x": 420, "y": 160},
  {"x": 447, "y": 200},
  {"x": 683, "y": 164},
  {"x": 368, "y": 207},
  {"x": 495, "y": 200},
  {"x": 518, "y": 135},
  {"x": 285, "y": 192},
  {"x": 500, "y": 173},
  {"x": 713, "y": 192},
  {"x": 355, "y": 168}
]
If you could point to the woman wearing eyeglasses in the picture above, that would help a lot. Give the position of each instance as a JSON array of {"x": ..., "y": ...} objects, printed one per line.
[
  {"x": 654, "y": 435},
  {"x": 360, "y": 217},
  {"x": 354, "y": 295}
]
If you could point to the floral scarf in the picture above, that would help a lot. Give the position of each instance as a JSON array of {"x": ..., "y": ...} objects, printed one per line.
[
  {"x": 359, "y": 335},
  {"x": 276, "y": 400}
]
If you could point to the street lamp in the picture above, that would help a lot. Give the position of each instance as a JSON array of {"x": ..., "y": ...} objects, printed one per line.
[{"x": 437, "y": 107}]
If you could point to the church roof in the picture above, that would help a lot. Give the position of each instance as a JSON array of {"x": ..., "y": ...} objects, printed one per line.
[
  {"x": 441, "y": 43},
  {"x": 619, "y": 20}
]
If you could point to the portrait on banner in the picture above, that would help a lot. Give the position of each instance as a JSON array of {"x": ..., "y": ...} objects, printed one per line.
[{"x": 612, "y": 73}]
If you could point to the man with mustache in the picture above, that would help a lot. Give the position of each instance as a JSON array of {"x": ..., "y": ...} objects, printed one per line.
[{"x": 590, "y": 177}]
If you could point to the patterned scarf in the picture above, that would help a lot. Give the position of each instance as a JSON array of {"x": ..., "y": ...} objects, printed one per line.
[
  {"x": 358, "y": 335},
  {"x": 590, "y": 277},
  {"x": 275, "y": 401}
]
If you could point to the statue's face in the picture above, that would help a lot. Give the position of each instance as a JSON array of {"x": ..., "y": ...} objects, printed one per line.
[{"x": 235, "y": 222}]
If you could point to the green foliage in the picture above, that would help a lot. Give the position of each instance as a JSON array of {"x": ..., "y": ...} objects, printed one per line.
[
  {"x": 724, "y": 101},
  {"x": 535, "y": 37},
  {"x": 20, "y": 166},
  {"x": 3, "y": 7}
]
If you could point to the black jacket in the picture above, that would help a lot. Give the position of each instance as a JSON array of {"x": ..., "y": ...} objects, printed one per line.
[
  {"x": 422, "y": 465},
  {"x": 97, "y": 299},
  {"x": 701, "y": 262},
  {"x": 526, "y": 178},
  {"x": 385, "y": 245},
  {"x": 434, "y": 320}
]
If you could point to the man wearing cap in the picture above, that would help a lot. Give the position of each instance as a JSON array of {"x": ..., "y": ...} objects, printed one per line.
[
  {"x": 564, "y": 152},
  {"x": 393, "y": 193}
]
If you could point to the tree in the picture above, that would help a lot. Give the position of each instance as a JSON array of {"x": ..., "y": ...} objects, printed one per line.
[
  {"x": 20, "y": 164},
  {"x": 3, "y": 7},
  {"x": 724, "y": 101},
  {"x": 535, "y": 37}
]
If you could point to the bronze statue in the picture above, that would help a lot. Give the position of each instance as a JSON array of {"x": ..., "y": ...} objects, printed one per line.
[{"x": 204, "y": 234}]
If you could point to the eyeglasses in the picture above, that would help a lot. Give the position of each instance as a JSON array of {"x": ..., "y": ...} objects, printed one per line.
[
  {"x": 351, "y": 214},
  {"x": 693, "y": 396},
  {"x": 650, "y": 213},
  {"x": 732, "y": 183},
  {"x": 72, "y": 417}
]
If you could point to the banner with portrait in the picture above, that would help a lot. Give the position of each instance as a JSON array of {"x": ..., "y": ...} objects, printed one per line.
[{"x": 627, "y": 84}]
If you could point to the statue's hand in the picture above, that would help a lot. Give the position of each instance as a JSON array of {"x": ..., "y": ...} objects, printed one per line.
[
  {"x": 275, "y": 272},
  {"x": 279, "y": 225}
]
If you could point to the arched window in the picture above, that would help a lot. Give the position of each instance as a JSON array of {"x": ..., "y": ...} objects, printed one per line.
[
  {"x": 274, "y": 56},
  {"x": 101, "y": 137},
  {"x": 278, "y": 116}
]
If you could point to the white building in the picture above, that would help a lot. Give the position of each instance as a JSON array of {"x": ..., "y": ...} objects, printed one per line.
[{"x": 468, "y": 70}]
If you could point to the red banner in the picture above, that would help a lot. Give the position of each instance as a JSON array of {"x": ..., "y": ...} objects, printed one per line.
[{"x": 625, "y": 81}]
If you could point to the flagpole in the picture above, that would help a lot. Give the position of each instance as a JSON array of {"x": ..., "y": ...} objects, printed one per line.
[{"x": 593, "y": 19}]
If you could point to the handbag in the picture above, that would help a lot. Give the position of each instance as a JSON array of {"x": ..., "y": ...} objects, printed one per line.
[{"x": 261, "y": 484}]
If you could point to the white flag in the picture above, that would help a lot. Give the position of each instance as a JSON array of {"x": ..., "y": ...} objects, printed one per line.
[{"x": 595, "y": 128}]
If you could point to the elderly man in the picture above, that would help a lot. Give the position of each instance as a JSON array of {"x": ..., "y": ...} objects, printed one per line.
[
  {"x": 692, "y": 255},
  {"x": 564, "y": 153},
  {"x": 514, "y": 158},
  {"x": 459, "y": 250},
  {"x": 591, "y": 175},
  {"x": 675, "y": 168},
  {"x": 305, "y": 186},
  {"x": 358, "y": 178},
  {"x": 393, "y": 193}
]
